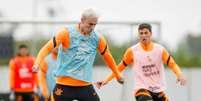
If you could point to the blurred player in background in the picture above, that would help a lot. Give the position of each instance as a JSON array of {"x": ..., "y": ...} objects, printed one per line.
[
  {"x": 23, "y": 82},
  {"x": 147, "y": 59}
]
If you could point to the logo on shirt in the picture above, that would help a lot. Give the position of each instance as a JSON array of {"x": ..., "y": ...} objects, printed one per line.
[
  {"x": 24, "y": 72},
  {"x": 150, "y": 70},
  {"x": 149, "y": 58},
  {"x": 58, "y": 91}
]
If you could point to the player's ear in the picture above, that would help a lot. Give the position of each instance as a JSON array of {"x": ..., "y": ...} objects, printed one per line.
[
  {"x": 82, "y": 19},
  {"x": 150, "y": 33}
]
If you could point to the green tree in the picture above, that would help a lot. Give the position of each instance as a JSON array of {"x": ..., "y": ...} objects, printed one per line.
[{"x": 188, "y": 53}]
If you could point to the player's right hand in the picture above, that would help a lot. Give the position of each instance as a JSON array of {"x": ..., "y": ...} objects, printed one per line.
[
  {"x": 181, "y": 80},
  {"x": 12, "y": 95},
  {"x": 35, "y": 68},
  {"x": 121, "y": 80},
  {"x": 99, "y": 84}
]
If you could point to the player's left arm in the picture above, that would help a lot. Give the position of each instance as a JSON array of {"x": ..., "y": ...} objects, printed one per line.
[
  {"x": 103, "y": 49},
  {"x": 170, "y": 62},
  {"x": 12, "y": 72},
  {"x": 126, "y": 60},
  {"x": 42, "y": 78},
  {"x": 36, "y": 80}
]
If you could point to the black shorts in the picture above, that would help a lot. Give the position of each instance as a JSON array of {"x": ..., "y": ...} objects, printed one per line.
[
  {"x": 146, "y": 95},
  {"x": 71, "y": 93},
  {"x": 24, "y": 96}
]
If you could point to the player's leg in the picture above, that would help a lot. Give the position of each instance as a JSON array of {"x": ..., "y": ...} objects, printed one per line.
[
  {"x": 88, "y": 93},
  {"x": 143, "y": 95},
  {"x": 18, "y": 96},
  {"x": 29, "y": 96},
  {"x": 63, "y": 93},
  {"x": 161, "y": 97}
]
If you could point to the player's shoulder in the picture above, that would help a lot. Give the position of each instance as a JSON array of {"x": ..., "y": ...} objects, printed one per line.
[
  {"x": 157, "y": 45},
  {"x": 66, "y": 30},
  {"x": 130, "y": 50},
  {"x": 12, "y": 59},
  {"x": 15, "y": 58},
  {"x": 62, "y": 32},
  {"x": 135, "y": 46}
]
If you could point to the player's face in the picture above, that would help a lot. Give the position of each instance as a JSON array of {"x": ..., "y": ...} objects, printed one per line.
[
  {"x": 89, "y": 24},
  {"x": 145, "y": 36},
  {"x": 23, "y": 51}
]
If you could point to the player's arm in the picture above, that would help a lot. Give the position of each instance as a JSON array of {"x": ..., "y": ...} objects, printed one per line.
[
  {"x": 35, "y": 75},
  {"x": 168, "y": 59},
  {"x": 12, "y": 71},
  {"x": 126, "y": 60},
  {"x": 36, "y": 80},
  {"x": 42, "y": 78},
  {"x": 170, "y": 62},
  {"x": 61, "y": 38},
  {"x": 109, "y": 60}
]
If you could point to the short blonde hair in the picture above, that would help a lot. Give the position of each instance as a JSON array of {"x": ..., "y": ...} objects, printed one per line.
[{"x": 90, "y": 13}]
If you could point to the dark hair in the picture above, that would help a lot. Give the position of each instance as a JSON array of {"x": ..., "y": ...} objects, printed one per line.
[
  {"x": 22, "y": 46},
  {"x": 145, "y": 25}
]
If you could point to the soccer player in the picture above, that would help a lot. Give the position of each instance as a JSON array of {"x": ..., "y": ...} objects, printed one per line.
[
  {"x": 147, "y": 59},
  {"x": 77, "y": 50},
  {"x": 23, "y": 81}
]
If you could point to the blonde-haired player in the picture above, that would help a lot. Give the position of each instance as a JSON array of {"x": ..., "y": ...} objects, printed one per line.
[{"x": 77, "y": 50}]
